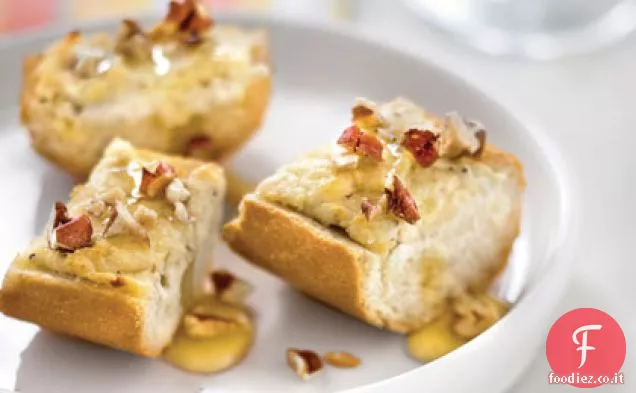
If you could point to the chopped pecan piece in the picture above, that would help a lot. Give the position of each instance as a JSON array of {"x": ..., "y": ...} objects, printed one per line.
[
  {"x": 72, "y": 36},
  {"x": 229, "y": 288},
  {"x": 350, "y": 138},
  {"x": 370, "y": 146},
  {"x": 461, "y": 137},
  {"x": 130, "y": 28},
  {"x": 132, "y": 42},
  {"x": 177, "y": 192},
  {"x": 72, "y": 235},
  {"x": 222, "y": 280},
  {"x": 401, "y": 203},
  {"x": 360, "y": 111},
  {"x": 181, "y": 212},
  {"x": 304, "y": 362},
  {"x": 481, "y": 137},
  {"x": 422, "y": 145},
  {"x": 365, "y": 114},
  {"x": 59, "y": 215},
  {"x": 106, "y": 231},
  {"x": 361, "y": 142},
  {"x": 342, "y": 359},
  {"x": 153, "y": 182},
  {"x": 190, "y": 18}
]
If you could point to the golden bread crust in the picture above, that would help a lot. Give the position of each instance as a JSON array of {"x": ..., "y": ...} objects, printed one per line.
[
  {"x": 76, "y": 308},
  {"x": 310, "y": 257},
  {"x": 28, "y": 83},
  {"x": 497, "y": 158}
]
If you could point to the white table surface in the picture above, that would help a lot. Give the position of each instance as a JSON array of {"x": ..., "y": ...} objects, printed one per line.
[{"x": 588, "y": 105}]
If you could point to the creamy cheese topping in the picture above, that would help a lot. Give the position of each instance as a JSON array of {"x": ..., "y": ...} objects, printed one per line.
[
  {"x": 330, "y": 186},
  {"x": 123, "y": 251},
  {"x": 88, "y": 71}
]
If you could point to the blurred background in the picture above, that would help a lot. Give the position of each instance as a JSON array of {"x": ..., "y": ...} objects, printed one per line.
[{"x": 566, "y": 66}]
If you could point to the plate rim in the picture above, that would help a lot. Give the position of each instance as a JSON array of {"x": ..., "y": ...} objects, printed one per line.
[{"x": 560, "y": 249}]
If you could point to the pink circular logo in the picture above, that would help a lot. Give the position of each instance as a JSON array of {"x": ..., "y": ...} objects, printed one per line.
[{"x": 586, "y": 348}]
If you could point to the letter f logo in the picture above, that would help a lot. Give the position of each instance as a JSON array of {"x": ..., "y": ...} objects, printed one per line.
[{"x": 583, "y": 344}]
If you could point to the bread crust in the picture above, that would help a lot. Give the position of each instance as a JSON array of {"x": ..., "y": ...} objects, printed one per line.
[
  {"x": 77, "y": 308},
  {"x": 325, "y": 264},
  {"x": 314, "y": 259}
]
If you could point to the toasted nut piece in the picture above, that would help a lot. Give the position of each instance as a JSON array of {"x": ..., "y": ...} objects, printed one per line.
[
  {"x": 211, "y": 318},
  {"x": 153, "y": 182},
  {"x": 59, "y": 215},
  {"x": 460, "y": 137},
  {"x": 370, "y": 146},
  {"x": 189, "y": 15},
  {"x": 476, "y": 313},
  {"x": 121, "y": 221},
  {"x": 342, "y": 359},
  {"x": 132, "y": 42},
  {"x": 422, "y": 144},
  {"x": 72, "y": 235},
  {"x": 401, "y": 203},
  {"x": 481, "y": 137},
  {"x": 365, "y": 114},
  {"x": 209, "y": 355},
  {"x": 177, "y": 192},
  {"x": 360, "y": 111},
  {"x": 434, "y": 340},
  {"x": 370, "y": 209},
  {"x": 304, "y": 362},
  {"x": 364, "y": 143},
  {"x": 151, "y": 166},
  {"x": 186, "y": 20},
  {"x": 350, "y": 138},
  {"x": 72, "y": 37},
  {"x": 229, "y": 288},
  {"x": 181, "y": 212}
]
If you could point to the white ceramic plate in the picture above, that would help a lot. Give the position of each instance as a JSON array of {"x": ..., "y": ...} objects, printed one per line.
[{"x": 319, "y": 72}]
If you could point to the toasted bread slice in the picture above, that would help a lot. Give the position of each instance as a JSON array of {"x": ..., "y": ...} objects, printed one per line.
[
  {"x": 111, "y": 265},
  {"x": 328, "y": 223},
  {"x": 183, "y": 87}
]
